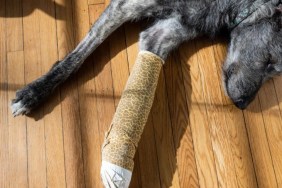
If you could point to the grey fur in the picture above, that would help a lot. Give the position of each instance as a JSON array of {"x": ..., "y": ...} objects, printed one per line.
[{"x": 253, "y": 57}]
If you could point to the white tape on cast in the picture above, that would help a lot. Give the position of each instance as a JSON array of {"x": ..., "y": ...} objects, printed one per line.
[{"x": 114, "y": 176}]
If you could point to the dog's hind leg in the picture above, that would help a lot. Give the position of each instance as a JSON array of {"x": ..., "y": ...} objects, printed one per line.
[
  {"x": 118, "y": 12},
  {"x": 165, "y": 35}
]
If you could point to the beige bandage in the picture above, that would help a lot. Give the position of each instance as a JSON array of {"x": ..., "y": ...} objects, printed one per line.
[{"x": 132, "y": 113}]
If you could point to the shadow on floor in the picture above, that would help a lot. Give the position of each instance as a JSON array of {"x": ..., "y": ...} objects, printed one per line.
[{"x": 22, "y": 8}]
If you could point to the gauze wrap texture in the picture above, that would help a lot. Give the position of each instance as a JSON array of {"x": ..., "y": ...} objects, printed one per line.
[{"x": 122, "y": 139}]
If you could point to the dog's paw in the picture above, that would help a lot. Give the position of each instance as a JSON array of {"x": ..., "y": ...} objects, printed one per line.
[
  {"x": 26, "y": 99},
  {"x": 18, "y": 108}
]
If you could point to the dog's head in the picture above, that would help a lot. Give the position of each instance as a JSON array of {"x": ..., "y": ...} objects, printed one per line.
[{"x": 254, "y": 55}]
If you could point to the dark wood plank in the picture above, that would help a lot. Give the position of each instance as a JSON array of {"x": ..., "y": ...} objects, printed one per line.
[
  {"x": 69, "y": 95},
  {"x": 183, "y": 141}
]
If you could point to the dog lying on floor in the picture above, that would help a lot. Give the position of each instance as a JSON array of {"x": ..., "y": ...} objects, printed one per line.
[{"x": 254, "y": 55}]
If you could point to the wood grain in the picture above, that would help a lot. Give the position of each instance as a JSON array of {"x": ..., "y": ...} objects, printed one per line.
[
  {"x": 240, "y": 148},
  {"x": 213, "y": 101},
  {"x": 55, "y": 158},
  {"x": 69, "y": 99},
  {"x": 17, "y": 138},
  {"x": 259, "y": 145},
  {"x": 198, "y": 116},
  {"x": 14, "y": 34},
  {"x": 181, "y": 129},
  {"x": 163, "y": 137},
  {"x": 35, "y": 125},
  {"x": 3, "y": 100},
  {"x": 273, "y": 126},
  {"x": 194, "y": 137},
  {"x": 95, "y": 2}
]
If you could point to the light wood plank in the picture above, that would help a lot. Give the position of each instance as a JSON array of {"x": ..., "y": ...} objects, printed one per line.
[
  {"x": 35, "y": 124},
  {"x": 104, "y": 90},
  {"x": 236, "y": 127},
  {"x": 17, "y": 152},
  {"x": 219, "y": 133},
  {"x": 277, "y": 82},
  {"x": 55, "y": 158},
  {"x": 198, "y": 116},
  {"x": 183, "y": 144},
  {"x": 4, "y": 181},
  {"x": 259, "y": 145},
  {"x": 273, "y": 126},
  {"x": 95, "y": 2},
  {"x": 14, "y": 34}
]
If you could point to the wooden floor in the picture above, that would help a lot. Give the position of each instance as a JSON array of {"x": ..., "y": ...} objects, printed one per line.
[{"x": 194, "y": 136}]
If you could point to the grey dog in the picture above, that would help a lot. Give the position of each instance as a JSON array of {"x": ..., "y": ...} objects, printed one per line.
[{"x": 254, "y": 55}]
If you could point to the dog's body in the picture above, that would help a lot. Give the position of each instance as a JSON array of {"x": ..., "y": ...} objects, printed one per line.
[{"x": 254, "y": 53}]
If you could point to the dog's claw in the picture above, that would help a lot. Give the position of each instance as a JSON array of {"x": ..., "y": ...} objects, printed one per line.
[{"x": 18, "y": 108}]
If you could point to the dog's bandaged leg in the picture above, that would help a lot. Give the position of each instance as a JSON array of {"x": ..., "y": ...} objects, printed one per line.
[{"x": 129, "y": 120}]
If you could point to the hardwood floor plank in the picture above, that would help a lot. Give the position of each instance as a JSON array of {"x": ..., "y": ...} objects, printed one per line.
[
  {"x": 132, "y": 31},
  {"x": 35, "y": 124},
  {"x": 17, "y": 150},
  {"x": 119, "y": 63},
  {"x": 235, "y": 122},
  {"x": 273, "y": 126},
  {"x": 103, "y": 94},
  {"x": 166, "y": 154},
  {"x": 194, "y": 137},
  {"x": 52, "y": 108},
  {"x": 90, "y": 126},
  {"x": 148, "y": 161},
  {"x": 69, "y": 97},
  {"x": 213, "y": 99},
  {"x": 4, "y": 181},
  {"x": 14, "y": 21},
  {"x": 198, "y": 116},
  {"x": 277, "y": 82},
  {"x": 87, "y": 98},
  {"x": 259, "y": 145},
  {"x": 183, "y": 141},
  {"x": 95, "y": 2}
]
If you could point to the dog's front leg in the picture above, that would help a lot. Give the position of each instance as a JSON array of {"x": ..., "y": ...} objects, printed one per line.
[{"x": 118, "y": 12}]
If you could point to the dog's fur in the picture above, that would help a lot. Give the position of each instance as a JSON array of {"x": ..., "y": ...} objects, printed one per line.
[{"x": 254, "y": 54}]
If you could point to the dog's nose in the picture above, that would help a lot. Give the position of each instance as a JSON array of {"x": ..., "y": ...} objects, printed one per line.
[{"x": 242, "y": 104}]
